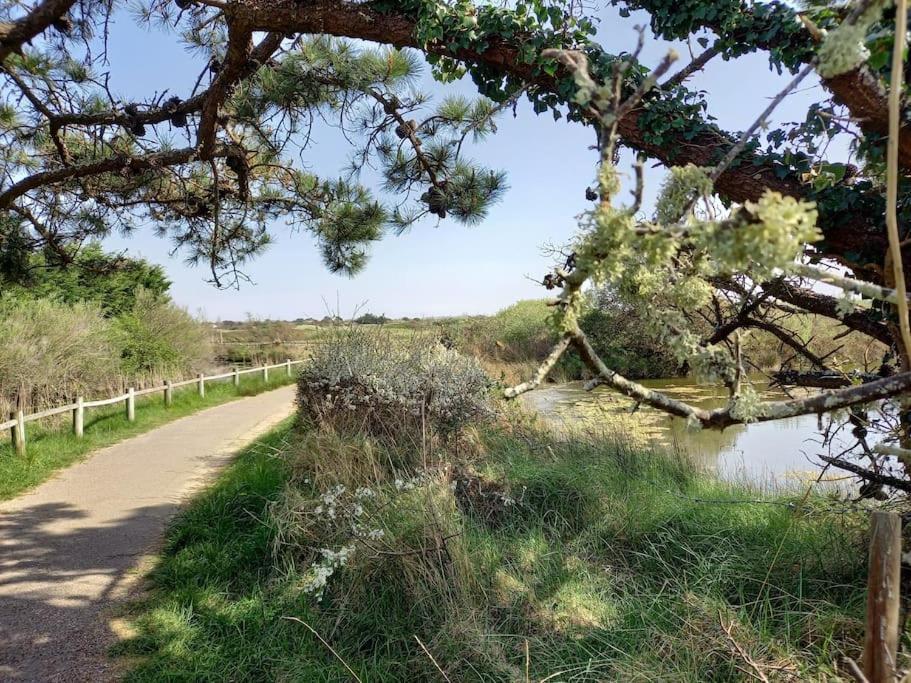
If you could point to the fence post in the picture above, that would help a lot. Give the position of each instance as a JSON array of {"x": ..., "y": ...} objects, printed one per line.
[
  {"x": 288, "y": 366},
  {"x": 236, "y": 377},
  {"x": 131, "y": 404},
  {"x": 17, "y": 433},
  {"x": 881, "y": 632},
  {"x": 78, "y": 417},
  {"x": 168, "y": 393},
  {"x": 201, "y": 383},
  {"x": 265, "y": 373}
]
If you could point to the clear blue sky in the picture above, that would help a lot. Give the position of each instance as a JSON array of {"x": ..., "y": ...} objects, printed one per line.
[{"x": 433, "y": 270}]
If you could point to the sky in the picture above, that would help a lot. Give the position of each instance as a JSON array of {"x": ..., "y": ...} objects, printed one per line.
[{"x": 444, "y": 268}]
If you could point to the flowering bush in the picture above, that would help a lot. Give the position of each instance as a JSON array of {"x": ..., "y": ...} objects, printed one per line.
[
  {"x": 392, "y": 388},
  {"x": 322, "y": 532}
]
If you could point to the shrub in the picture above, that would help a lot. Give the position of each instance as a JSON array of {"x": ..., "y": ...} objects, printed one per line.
[
  {"x": 51, "y": 352},
  {"x": 371, "y": 319},
  {"x": 517, "y": 333},
  {"x": 625, "y": 345},
  {"x": 521, "y": 333},
  {"x": 159, "y": 338},
  {"x": 398, "y": 389},
  {"x": 345, "y": 534}
]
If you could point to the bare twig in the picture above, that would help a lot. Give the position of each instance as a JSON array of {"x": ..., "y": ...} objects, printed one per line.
[
  {"x": 895, "y": 96},
  {"x": 543, "y": 369},
  {"x": 855, "y": 671},
  {"x": 869, "y": 475},
  {"x": 647, "y": 84},
  {"x": 696, "y": 65},
  {"x": 760, "y": 121},
  {"x": 429, "y": 654},
  {"x": 757, "y": 672},
  {"x": 328, "y": 646}
]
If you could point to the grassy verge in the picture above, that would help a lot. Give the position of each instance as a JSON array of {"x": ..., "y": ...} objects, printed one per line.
[
  {"x": 49, "y": 449},
  {"x": 579, "y": 561}
]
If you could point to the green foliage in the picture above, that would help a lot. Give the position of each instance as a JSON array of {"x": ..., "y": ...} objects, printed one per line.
[
  {"x": 346, "y": 226},
  {"x": 371, "y": 92},
  {"x": 844, "y": 48},
  {"x": 92, "y": 275},
  {"x": 158, "y": 338},
  {"x": 88, "y": 326},
  {"x": 522, "y": 330},
  {"x": 624, "y": 339},
  {"x": 217, "y": 211},
  {"x": 536, "y": 25},
  {"x": 666, "y": 268},
  {"x": 521, "y": 334},
  {"x": 371, "y": 319},
  {"x": 739, "y": 28}
]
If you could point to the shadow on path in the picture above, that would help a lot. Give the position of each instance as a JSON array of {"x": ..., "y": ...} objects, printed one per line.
[{"x": 55, "y": 584}]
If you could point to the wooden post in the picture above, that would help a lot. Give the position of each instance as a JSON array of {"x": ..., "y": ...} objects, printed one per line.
[
  {"x": 236, "y": 377},
  {"x": 201, "y": 384},
  {"x": 168, "y": 393},
  {"x": 288, "y": 366},
  {"x": 265, "y": 373},
  {"x": 78, "y": 417},
  {"x": 17, "y": 433},
  {"x": 131, "y": 404},
  {"x": 881, "y": 634}
]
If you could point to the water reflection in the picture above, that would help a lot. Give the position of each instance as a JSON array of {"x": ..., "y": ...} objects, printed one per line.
[{"x": 770, "y": 452}]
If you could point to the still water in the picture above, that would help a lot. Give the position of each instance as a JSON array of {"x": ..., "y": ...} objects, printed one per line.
[{"x": 780, "y": 452}]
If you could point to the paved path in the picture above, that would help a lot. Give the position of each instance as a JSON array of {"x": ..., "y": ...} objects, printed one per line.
[{"x": 70, "y": 548}]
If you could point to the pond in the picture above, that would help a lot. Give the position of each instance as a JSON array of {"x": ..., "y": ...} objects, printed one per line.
[{"x": 775, "y": 453}]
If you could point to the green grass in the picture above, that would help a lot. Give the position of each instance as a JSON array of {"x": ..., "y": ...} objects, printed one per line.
[
  {"x": 610, "y": 566},
  {"x": 50, "y": 449}
]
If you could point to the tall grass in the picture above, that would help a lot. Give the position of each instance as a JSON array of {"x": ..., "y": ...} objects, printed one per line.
[
  {"x": 158, "y": 339},
  {"x": 580, "y": 560},
  {"x": 511, "y": 343},
  {"x": 256, "y": 342},
  {"x": 51, "y": 352},
  {"x": 52, "y": 447}
]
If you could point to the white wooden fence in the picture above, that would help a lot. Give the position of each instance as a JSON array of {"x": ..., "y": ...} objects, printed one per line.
[{"x": 16, "y": 424}]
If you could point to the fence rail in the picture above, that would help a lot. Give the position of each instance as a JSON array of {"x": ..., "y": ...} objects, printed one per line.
[{"x": 16, "y": 423}]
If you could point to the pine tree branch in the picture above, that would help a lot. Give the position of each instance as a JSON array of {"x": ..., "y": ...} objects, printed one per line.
[
  {"x": 14, "y": 34},
  {"x": 847, "y": 233},
  {"x": 120, "y": 163},
  {"x": 240, "y": 46}
]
